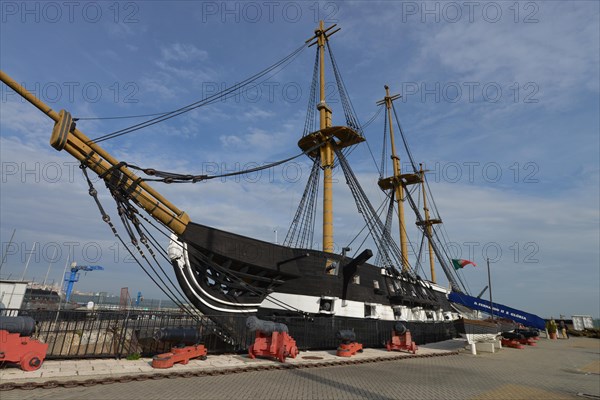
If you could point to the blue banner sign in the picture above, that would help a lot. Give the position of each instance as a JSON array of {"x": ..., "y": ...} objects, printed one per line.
[{"x": 500, "y": 310}]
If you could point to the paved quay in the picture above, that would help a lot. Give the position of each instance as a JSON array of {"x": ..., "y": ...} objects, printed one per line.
[{"x": 563, "y": 369}]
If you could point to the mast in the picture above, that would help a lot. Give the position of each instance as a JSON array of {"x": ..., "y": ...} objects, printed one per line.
[
  {"x": 65, "y": 136},
  {"x": 398, "y": 181},
  {"x": 428, "y": 222},
  {"x": 329, "y": 138},
  {"x": 327, "y": 156}
]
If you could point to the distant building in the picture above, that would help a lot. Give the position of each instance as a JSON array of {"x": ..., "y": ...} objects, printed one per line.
[{"x": 12, "y": 294}]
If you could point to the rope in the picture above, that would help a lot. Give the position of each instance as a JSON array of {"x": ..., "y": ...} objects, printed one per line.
[
  {"x": 173, "y": 177},
  {"x": 209, "y": 100},
  {"x": 106, "y": 218}
]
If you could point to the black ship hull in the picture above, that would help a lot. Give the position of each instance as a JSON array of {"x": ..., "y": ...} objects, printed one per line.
[{"x": 230, "y": 277}]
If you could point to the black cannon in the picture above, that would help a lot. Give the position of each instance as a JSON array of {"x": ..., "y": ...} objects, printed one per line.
[
  {"x": 272, "y": 340},
  {"x": 16, "y": 345},
  {"x": 512, "y": 335},
  {"x": 348, "y": 346},
  {"x": 181, "y": 335},
  {"x": 254, "y": 324},
  {"x": 528, "y": 333},
  {"x": 346, "y": 336},
  {"x": 24, "y": 326},
  {"x": 401, "y": 339},
  {"x": 188, "y": 346},
  {"x": 399, "y": 328}
]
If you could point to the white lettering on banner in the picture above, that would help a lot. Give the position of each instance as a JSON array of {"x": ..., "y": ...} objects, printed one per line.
[{"x": 499, "y": 311}]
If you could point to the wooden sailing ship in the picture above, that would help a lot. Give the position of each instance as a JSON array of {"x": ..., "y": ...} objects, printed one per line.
[{"x": 228, "y": 276}]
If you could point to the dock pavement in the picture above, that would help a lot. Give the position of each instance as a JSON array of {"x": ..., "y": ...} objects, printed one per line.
[{"x": 554, "y": 369}]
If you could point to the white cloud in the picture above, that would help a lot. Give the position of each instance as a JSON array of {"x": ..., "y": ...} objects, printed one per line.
[
  {"x": 183, "y": 52},
  {"x": 552, "y": 53},
  {"x": 257, "y": 113}
]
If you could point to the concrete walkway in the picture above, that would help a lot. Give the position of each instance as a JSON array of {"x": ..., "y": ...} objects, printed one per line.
[
  {"x": 62, "y": 370},
  {"x": 555, "y": 369}
]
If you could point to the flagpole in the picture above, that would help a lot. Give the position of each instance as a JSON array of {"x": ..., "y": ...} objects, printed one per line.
[{"x": 490, "y": 285}]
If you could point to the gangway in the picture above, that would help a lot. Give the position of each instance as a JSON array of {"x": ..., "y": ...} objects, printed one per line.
[{"x": 498, "y": 310}]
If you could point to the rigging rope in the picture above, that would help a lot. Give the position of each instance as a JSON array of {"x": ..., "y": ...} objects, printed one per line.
[
  {"x": 410, "y": 156},
  {"x": 301, "y": 231},
  {"x": 383, "y": 168},
  {"x": 434, "y": 237},
  {"x": 106, "y": 218},
  {"x": 442, "y": 261},
  {"x": 215, "y": 266},
  {"x": 200, "y": 103},
  {"x": 311, "y": 116},
  {"x": 349, "y": 113},
  {"x": 385, "y": 244},
  {"x": 388, "y": 221},
  {"x": 173, "y": 177},
  {"x": 378, "y": 211},
  {"x": 114, "y": 188}
]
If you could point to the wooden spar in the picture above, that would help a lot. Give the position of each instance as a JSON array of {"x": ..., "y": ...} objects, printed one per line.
[
  {"x": 395, "y": 182},
  {"x": 427, "y": 225},
  {"x": 98, "y": 160},
  {"x": 330, "y": 137},
  {"x": 327, "y": 154}
]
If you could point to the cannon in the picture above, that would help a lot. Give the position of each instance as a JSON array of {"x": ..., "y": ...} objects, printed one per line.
[
  {"x": 188, "y": 346},
  {"x": 401, "y": 339},
  {"x": 512, "y": 335},
  {"x": 181, "y": 335},
  {"x": 519, "y": 337},
  {"x": 17, "y": 346},
  {"x": 24, "y": 326},
  {"x": 528, "y": 333},
  {"x": 346, "y": 335},
  {"x": 399, "y": 328},
  {"x": 254, "y": 324},
  {"x": 272, "y": 340},
  {"x": 348, "y": 346}
]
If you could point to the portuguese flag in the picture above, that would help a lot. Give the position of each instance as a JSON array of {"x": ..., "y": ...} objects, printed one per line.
[{"x": 458, "y": 264}]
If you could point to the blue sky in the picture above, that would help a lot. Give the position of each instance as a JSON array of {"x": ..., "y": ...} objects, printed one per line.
[{"x": 500, "y": 101}]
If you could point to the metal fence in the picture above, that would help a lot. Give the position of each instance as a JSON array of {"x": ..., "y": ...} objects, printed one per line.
[
  {"x": 114, "y": 334},
  {"x": 123, "y": 333}
]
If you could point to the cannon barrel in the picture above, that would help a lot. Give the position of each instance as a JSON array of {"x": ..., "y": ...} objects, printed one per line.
[
  {"x": 187, "y": 336},
  {"x": 512, "y": 335},
  {"x": 528, "y": 333},
  {"x": 399, "y": 328},
  {"x": 24, "y": 326},
  {"x": 255, "y": 324},
  {"x": 346, "y": 335}
]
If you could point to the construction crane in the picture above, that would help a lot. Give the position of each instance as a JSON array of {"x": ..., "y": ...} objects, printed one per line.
[
  {"x": 73, "y": 276},
  {"x": 139, "y": 299}
]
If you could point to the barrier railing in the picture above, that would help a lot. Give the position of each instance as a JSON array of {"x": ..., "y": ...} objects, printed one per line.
[{"x": 123, "y": 333}]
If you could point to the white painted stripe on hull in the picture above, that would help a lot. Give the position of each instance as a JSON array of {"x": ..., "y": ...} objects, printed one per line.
[
  {"x": 185, "y": 264},
  {"x": 351, "y": 309}
]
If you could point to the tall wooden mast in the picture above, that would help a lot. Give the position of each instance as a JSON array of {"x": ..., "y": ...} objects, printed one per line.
[
  {"x": 428, "y": 222},
  {"x": 398, "y": 181},
  {"x": 329, "y": 138},
  {"x": 327, "y": 155}
]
